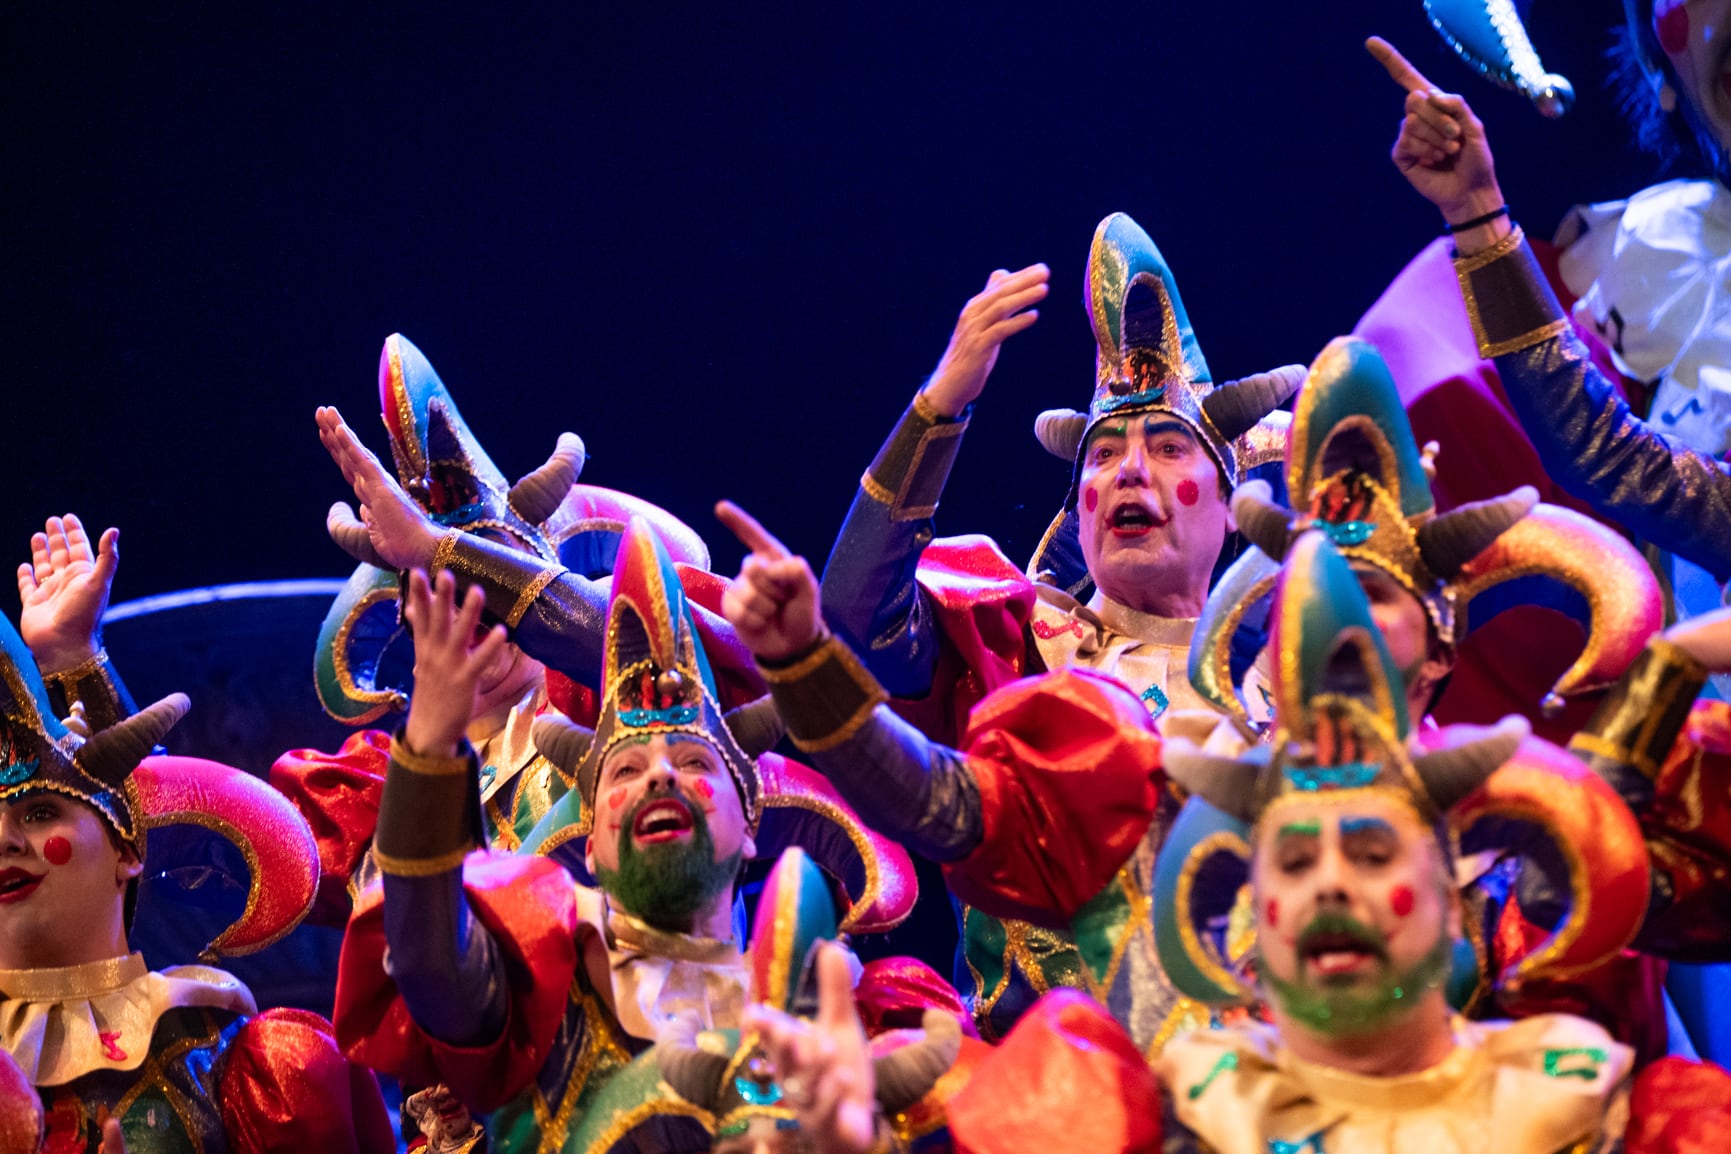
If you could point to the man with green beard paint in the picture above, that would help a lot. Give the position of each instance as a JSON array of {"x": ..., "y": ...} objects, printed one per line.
[
  {"x": 535, "y": 997},
  {"x": 1351, "y": 835}
]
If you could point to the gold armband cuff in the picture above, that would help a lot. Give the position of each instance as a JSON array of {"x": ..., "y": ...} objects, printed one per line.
[
  {"x": 1509, "y": 301},
  {"x": 1639, "y": 720},
  {"x": 912, "y": 467},
  {"x": 824, "y": 697}
]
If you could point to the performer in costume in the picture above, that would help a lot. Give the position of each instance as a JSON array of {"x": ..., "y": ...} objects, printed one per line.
[
  {"x": 1356, "y": 473},
  {"x": 523, "y": 991},
  {"x": 180, "y": 1059},
  {"x": 1637, "y": 279},
  {"x": 942, "y": 623},
  {"x": 1352, "y": 844},
  {"x": 1670, "y": 494},
  {"x": 545, "y": 516},
  {"x": 733, "y": 1074}
]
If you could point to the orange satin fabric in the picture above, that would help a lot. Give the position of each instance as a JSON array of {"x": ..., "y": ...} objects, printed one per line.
[
  {"x": 1066, "y": 1052},
  {"x": 1688, "y": 830},
  {"x": 1068, "y": 768},
  {"x": 1679, "y": 1107}
]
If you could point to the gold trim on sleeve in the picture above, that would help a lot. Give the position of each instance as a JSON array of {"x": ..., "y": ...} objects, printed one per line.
[{"x": 404, "y": 867}]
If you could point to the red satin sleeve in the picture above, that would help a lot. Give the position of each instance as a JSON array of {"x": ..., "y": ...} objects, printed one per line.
[
  {"x": 1068, "y": 769},
  {"x": 895, "y": 993},
  {"x": 284, "y": 1086},
  {"x": 529, "y": 906},
  {"x": 1679, "y": 1107},
  {"x": 338, "y": 794},
  {"x": 1625, "y": 993},
  {"x": 1066, "y": 1078},
  {"x": 1688, "y": 832},
  {"x": 981, "y": 604}
]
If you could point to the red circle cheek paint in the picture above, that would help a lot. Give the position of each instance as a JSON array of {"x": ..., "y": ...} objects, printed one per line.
[
  {"x": 617, "y": 797},
  {"x": 1400, "y": 901},
  {"x": 1091, "y": 499},
  {"x": 703, "y": 789},
  {"x": 1671, "y": 23},
  {"x": 57, "y": 850},
  {"x": 1188, "y": 493},
  {"x": 1272, "y": 913}
]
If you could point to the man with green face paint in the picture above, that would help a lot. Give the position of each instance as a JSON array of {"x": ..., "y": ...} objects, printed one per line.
[
  {"x": 524, "y": 991},
  {"x": 1351, "y": 836}
]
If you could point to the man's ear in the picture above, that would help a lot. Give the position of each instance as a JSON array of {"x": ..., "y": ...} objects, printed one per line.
[
  {"x": 748, "y": 848},
  {"x": 589, "y": 854}
]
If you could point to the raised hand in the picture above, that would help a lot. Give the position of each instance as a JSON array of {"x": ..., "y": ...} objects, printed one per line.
[
  {"x": 825, "y": 1067},
  {"x": 1441, "y": 149},
  {"x": 402, "y": 535},
  {"x": 1001, "y": 310},
  {"x": 64, "y": 590},
  {"x": 773, "y": 603},
  {"x": 450, "y": 656},
  {"x": 113, "y": 1140}
]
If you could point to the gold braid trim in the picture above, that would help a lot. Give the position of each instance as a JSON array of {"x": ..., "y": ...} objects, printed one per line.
[
  {"x": 404, "y": 867},
  {"x": 67, "y": 679},
  {"x": 445, "y": 555},
  {"x": 424, "y": 765},
  {"x": 526, "y": 599}
]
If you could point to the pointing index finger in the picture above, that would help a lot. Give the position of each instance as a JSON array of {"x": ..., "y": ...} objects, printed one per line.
[
  {"x": 751, "y": 534},
  {"x": 1399, "y": 68}
]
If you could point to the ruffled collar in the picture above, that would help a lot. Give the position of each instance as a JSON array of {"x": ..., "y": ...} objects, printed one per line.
[
  {"x": 1529, "y": 1087},
  {"x": 657, "y": 977},
  {"x": 62, "y": 1023}
]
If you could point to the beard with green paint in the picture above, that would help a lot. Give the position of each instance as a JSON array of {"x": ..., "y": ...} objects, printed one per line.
[
  {"x": 667, "y": 883},
  {"x": 1356, "y": 918}
]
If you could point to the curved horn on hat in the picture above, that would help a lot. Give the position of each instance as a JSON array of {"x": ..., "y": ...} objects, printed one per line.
[
  {"x": 694, "y": 1073},
  {"x": 756, "y": 726},
  {"x": 1266, "y": 525},
  {"x": 1226, "y": 783},
  {"x": 116, "y": 751},
  {"x": 352, "y": 537},
  {"x": 1059, "y": 431},
  {"x": 1236, "y": 406},
  {"x": 1451, "y": 773},
  {"x": 1450, "y": 540},
  {"x": 1624, "y": 604},
  {"x": 906, "y": 1075},
  {"x": 538, "y": 494},
  {"x": 561, "y": 741}
]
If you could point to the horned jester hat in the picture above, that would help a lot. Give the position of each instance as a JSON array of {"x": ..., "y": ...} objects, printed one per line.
[
  {"x": 726, "y": 1072},
  {"x": 1149, "y": 362},
  {"x": 113, "y": 772},
  {"x": 442, "y": 466},
  {"x": 1355, "y": 473},
  {"x": 1341, "y": 727},
  {"x": 657, "y": 679}
]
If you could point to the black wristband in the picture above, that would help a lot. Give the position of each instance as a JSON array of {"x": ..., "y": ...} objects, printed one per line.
[{"x": 1477, "y": 220}]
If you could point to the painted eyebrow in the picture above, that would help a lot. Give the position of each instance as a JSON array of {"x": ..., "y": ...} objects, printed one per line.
[
  {"x": 1121, "y": 429},
  {"x": 1300, "y": 829},
  {"x": 1154, "y": 427},
  {"x": 1353, "y": 826}
]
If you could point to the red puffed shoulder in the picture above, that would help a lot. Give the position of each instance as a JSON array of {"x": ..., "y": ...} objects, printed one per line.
[
  {"x": 529, "y": 905},
  {"x": 1068, "y": 768},
  {"x": 1066, "y": 1078},
  {"x": 982, "y": 605},
  {"x": 284, "y": 1086},
  {"x": 338, "y": 794},
  {"x": 895, "y": 993},
  {"x": 1679, "y": 1107}
]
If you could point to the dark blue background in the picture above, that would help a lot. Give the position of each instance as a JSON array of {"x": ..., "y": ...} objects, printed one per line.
[{"x": 722, "y": 247}]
